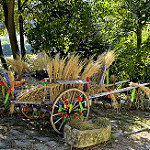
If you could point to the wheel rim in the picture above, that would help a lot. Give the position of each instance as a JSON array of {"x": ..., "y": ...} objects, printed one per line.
[
  {"x": 33, "y": 112},
  {"x": 70, "y": 104}
]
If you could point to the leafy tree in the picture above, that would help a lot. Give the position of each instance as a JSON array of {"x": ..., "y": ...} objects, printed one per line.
[
  {"x": 8, "y": 8},
  {"x": 120, "y": 25},
  {"x": 61, "y": 26}
]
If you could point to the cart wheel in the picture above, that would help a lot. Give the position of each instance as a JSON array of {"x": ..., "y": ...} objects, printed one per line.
[
  {"x": 70, "y": 104},
  {"x": 33, "y": 112}
]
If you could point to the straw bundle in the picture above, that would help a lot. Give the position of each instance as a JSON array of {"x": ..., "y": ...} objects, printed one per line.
[
  {"x": 50, "y": 70},
  {"x": 61, "y": 67},
  {"x": 113, "y": 78},
  {"x": 11, "y": 80},
  {"x": 69, "y": 67},
  {"x": 18, "y": 64},
  {"x": 42, "y": 59},
  {"x": 40, "y": 64},
  {"x": 146, "y": 90},
  {"x": 38, "y": 94},
  {"x": 107, "y": 58},
  {"x": 56, "y": 63},
  {"x": 35, "y": 94},
  {"x": 89, "y": 70},
  {"x": 33, "y": 63},
  {"x": 97, "y": 88},
  {"x": 93, "y": 89}
]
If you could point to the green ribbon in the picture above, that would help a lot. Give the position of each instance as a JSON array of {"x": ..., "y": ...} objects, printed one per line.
[
  {"x": 3, "y": 90},
  {"x": 132, "y": 95},
  {"x": 7, "y": 96},
  {"x": 107, "y": 76}
]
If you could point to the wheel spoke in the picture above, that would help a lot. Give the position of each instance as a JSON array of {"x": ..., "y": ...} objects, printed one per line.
[
  {"x": 57, "y": 120},
  {"x": 55, "y": 115},
  {"x": 74, "y": 93},
  {"x": 78, "y": 104},
  {"x": 61, "y": 125}
]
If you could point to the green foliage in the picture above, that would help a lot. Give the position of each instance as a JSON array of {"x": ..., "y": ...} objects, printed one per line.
[
  {"x": 89, "y": 27},
  {"x": 64, "y": 26},
  {"x": 117, "y": 24}
]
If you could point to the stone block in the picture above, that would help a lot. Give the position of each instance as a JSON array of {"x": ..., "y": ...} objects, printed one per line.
[{"x": 79, "y": 139}]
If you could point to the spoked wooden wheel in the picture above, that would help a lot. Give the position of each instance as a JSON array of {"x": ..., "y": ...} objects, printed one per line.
[
  {"x": 32, "y": 111},
  {"x": 70, "y": 104}
]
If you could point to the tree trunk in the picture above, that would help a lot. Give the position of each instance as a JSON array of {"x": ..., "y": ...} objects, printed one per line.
[
  {"x": 2, "y": 57},
  {"x": 21, "y": 30},
  {"x": 139, "y": 36},
  {"x": 11, "y": 28},
  {"x": 139, "y": 30}
]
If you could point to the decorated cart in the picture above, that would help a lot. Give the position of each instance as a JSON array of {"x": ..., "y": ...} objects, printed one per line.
[{"x": 68, "y": 91}]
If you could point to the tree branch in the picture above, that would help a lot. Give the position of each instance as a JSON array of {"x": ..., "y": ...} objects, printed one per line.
[{"x": 24, "y": 3}]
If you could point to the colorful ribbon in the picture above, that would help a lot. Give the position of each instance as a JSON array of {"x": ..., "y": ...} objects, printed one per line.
[
  {"x": 7, "y": 96},
  {"x": 132, "y": 95},
  {"x": 3, "y": 88},
  {"x": 87, "y": 79},
  {"x": 44, "y": 83},
  {"x": 107, "y": 76}
]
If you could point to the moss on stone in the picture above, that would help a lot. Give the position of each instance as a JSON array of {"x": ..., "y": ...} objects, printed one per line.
[{"x": 90, "y": 124}]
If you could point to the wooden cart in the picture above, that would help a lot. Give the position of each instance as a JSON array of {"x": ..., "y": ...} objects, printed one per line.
[{"x": 71, "y": 102}]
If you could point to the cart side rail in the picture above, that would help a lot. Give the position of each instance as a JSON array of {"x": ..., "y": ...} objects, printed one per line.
[{"x": 116, "y": 91}]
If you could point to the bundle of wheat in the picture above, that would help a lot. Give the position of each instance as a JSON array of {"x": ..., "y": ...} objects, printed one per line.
[
  {"x": 146, "y": 90},
  {"x": 112, "y": 78},
  {"x": 33, "y": 63},
  {"x": 11, "y": 80},
  {"x": 56, "y": 62},
  {"x": 18, "y": 64},
  {"x": 105, "y": 59},
  {"x": 97, "y": 88},
  {"x": 42, "y": 60},
  {"x": 37, "y": 94}
]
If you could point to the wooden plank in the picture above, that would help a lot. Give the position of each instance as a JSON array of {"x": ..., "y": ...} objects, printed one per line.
[
  {"x": 71, "y": 82},
  {"x": 116, "y": 91},
  {"x": 26, "y": 102}
]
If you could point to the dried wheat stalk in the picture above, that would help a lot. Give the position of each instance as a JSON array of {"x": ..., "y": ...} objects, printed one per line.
[
  {"x": 50, "y": 70},
  {"x": 56, "y": 67},
  {"x": 146, "y": 90},
  {"x": 33, "y": 63},
  {"x": 18, "y": 64},
  {"x": 68, "y": 68}
]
